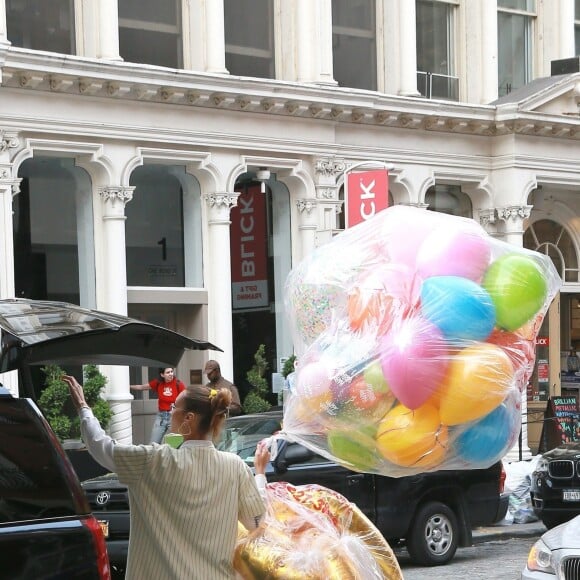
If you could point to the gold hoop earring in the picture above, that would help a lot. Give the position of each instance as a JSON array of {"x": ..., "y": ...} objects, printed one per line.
[{"x": 184, "y": 434}]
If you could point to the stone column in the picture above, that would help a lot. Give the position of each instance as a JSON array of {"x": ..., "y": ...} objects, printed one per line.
[
  {"x": 307, "y": 225},
  {"x": 3, "y": 29},
  {"x": 108, "y": 27},
  {"x": 219, "y": 278},
  {"x": 408, "y": 48},
  {"x": 114, "y": 299},
  {"x": 204, "y": 36},
  {"x": 565, "y": 25},
  {"x": 9, "y": 187},
  {"x": 313, "y": 39},
  {"x": 513, "y": 217},
  {"x": 489, "y": 73}
]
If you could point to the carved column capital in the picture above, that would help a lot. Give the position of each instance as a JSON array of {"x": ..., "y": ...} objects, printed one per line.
[
  {"x": 8, "y": 140},
  {"x": 329, "y": 166},
  {"x": 114, "y": 194},
  {"x": 219, "y": 205},
  {"x": 306, "y": 205},
  {"x": 8, "y": 182},
  {"x": 514, "y": 213},
  {"x": 487, "y": 217},
  {"x": 221, "y": 200}
]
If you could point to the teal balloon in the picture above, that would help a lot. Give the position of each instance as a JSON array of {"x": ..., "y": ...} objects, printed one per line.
[
  {"x": 487, "y": 440},
  {"x": 460, "y": 308}
]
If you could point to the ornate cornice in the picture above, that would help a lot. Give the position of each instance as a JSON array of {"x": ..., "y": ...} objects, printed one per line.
[{"x": 34, "y": 71}]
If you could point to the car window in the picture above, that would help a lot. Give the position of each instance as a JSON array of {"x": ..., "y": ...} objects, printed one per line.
[
  {"x": 32, "y": 483},
  {"x": 241, "y": 436},
  {"x": 296, "y": 450}
]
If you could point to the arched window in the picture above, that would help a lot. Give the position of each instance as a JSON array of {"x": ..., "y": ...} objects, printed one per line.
[
  {"x": 550, "y": 238},
  {"x": 449, "y": 199}
]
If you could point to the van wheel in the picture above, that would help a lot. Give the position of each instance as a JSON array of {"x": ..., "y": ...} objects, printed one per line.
[{"x": 434, "y": 535}]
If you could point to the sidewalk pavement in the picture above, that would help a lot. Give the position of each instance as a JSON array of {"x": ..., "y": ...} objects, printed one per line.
[{"x": 504, "y": 532}]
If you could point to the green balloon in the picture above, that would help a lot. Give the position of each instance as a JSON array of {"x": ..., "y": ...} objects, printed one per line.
[
  {"x": 518, "y": 289},
  {"x": 355, "y": 449},
  {"x": 373, "y": 376}
]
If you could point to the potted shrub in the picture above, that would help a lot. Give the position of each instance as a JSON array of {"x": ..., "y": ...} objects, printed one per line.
[
  {"x": 255, "y": 401},
  {"x": 56, "y": 404}
]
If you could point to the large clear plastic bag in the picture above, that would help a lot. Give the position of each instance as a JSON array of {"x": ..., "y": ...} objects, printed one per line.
[
  {"x": 313, "y": 533},
  {"x": 415, "y": 334}
]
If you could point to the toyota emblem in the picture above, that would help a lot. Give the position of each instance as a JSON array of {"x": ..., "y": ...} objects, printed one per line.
[{"x": 103, "y": 497}]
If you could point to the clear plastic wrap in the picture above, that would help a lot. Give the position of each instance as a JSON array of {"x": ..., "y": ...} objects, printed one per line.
[
  {"x": 313, "y": 533},
  {"x": 415, "y": 334}
]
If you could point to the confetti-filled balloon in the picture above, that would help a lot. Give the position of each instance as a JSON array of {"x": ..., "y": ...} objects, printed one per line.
[{"x": 415, "y": 334}]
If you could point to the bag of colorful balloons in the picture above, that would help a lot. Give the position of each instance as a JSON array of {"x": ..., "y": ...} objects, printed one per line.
[
  {"x": 313, "y": 532},
  {"x": 415, "y": 333}
]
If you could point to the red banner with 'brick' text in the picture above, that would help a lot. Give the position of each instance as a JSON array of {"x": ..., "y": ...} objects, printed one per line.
[
  {"x": 367, "y": 193},
  {"x": 249, "y": 250}
]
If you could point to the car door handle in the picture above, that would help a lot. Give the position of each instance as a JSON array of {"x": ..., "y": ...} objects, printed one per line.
[{"x": 354, "y": 479}]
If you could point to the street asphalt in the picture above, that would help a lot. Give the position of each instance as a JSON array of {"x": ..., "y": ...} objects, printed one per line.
[{"x": 501, "y": 532}]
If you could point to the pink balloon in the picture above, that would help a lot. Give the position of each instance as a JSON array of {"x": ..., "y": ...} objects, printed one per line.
[
  {"x": 464, "y": 252},
  {"x": 414, "y": 359},
  {"x": 403, "y": 231},
  {"x": 313, "y": 380}
]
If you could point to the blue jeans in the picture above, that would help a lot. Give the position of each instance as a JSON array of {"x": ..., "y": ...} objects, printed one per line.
[{"x": 160, "y": 426}]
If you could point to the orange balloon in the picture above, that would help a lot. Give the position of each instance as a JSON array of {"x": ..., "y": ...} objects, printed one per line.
[
  {"x": 412, "y": 438},
  {"x": 367, "y": 307},
  {"x": 478, "y": 380},
  {"x": 520, "y": 350}
]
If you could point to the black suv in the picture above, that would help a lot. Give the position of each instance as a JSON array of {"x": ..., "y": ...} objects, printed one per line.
[
  {"x": 47, "y": 529},
  {"x": 555, "y": 489},
  {"x": 432, "y": 513}
]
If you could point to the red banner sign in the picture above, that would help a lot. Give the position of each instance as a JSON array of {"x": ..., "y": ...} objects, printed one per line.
[
  {"x": 367, "y": 193},
  {"x": 249, "y": 250}
]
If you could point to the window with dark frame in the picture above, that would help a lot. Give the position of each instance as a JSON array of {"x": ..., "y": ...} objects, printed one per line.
[
  {"x": 354, "y": 44},
  {"x": 41, "y": 25},
  {"x": 249, "y": 38},
  {"x": 148, "y": 35}
]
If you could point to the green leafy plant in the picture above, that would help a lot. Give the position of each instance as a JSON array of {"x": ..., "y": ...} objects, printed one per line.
[
  {"x": 288, "y": 366},
  {"x": 255, "y": 401},
  {"x": 57, "y": 406}
]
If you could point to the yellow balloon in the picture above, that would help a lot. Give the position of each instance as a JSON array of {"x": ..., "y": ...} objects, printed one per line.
[
  {"x": 478, "y": 380},
  {"x": 412, "y": 438}
]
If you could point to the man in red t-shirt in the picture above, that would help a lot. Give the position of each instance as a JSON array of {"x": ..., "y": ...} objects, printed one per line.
[{"x": 167, "y": 388}]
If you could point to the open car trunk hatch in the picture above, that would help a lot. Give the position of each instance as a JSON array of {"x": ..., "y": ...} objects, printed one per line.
[{"x": 36, "y": 332}]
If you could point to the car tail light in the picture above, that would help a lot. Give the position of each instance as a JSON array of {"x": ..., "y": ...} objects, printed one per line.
[
  {"x": 100, "y": 547},
  {"x": 502, "y": 477}
]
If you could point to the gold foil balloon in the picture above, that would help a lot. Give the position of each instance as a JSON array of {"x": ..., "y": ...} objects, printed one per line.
[{"x": 313, "y": 533}]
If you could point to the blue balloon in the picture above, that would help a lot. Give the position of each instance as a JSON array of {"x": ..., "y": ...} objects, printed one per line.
[
  {"x": 486, "y": 440},
  {"x": 459, "y": 307}
]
